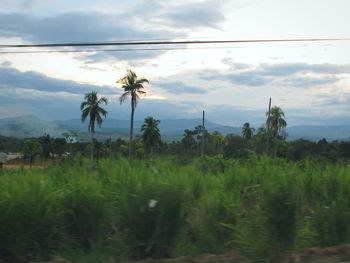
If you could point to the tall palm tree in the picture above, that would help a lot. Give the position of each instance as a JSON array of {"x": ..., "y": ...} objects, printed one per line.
[
  {"x": 275, "y": 122},
  {"x": 91, "y": 107},
  {"x": 132, "y": 86},
  {"x": 247, "y": 131},
  {"x": 150, "y": 133}
]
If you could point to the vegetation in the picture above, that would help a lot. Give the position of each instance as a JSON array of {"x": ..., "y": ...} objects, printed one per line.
[
  {"x": 164, "y": 208},
  {"x": 247, "y": 131},
  {"x": 150, "y": 134},
  {"x": 133, "y": 87},
  {"x": 91, "y": 107},
  {"x": 239, "y": 194},
  {"x": 31, "y": 149}
]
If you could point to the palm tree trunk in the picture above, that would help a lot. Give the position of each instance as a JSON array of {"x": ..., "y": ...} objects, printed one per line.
[
  {"x": 131, "y": 128},
  {"x": 92, "y": 146}
]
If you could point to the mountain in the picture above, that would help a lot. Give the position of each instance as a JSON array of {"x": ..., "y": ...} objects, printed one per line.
[
  {"x": 171, "y": 129},
  {"x": 317, "y": 132},
  {"x": 28, "y": 126}
]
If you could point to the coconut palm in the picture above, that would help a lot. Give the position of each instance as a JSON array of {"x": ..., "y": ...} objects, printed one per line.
[
  {"x": 91, "y": 107},
  {"x": 275, "y": 122},
  {"x": 247, "y": 131},
  {"x": 188, "y": 139},
  {"x": 150, "y": 133},
  {"x": 218, "y": 140},
  {"x": 132, "y": 86}
]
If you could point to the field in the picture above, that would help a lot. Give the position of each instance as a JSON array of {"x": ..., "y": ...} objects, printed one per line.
[{"x": 260, "y": 208}]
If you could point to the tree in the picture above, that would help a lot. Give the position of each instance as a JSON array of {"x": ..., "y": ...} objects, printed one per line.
[
  {"x": 91, "y": 107},
  {"x": 47, "y": 144},
  {"x": 275, "y": 121},
  {"x": 188, "y": 139},
  {"x": 150, "y": 133},
  {"x": 70, "y": 137},
  {"x": 31, "y": 149},
  {"x": 218, "y": 140},
  {"x": 132, "y": 86},
  {"x": 247, "y": 131}
]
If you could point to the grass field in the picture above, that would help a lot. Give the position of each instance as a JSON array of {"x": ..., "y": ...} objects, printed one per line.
[{"x": 169, "y": 208}]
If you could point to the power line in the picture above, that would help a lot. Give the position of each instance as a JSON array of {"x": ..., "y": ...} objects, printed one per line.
[
  {"x": 111, "y": 50},
  {"x": 182, "y": 42}
]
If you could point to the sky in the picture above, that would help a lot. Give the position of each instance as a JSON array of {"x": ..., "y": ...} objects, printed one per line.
[{"x": 310, "y": 81}]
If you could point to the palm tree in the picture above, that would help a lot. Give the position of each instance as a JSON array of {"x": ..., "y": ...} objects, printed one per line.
[
  {"x": 218, "y": 140},
  {"x": 132, "y": 86},
  {"x": 275, "y": 121},
  {"x": 91, "y": 107},
  {"x": 150, "y": 133},
  {"x": 188, "y": 139},
  {"x": 247, "y": 131}
]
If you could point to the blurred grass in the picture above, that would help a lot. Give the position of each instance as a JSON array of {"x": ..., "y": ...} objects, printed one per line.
[{"x": 162, "y": 208}]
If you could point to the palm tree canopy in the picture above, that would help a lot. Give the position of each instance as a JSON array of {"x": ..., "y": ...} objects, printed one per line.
[
  {"x": 247, "y": 131},
  {"x": 150, "y": 132},
  {"x": 132, "y": 86},
  {"x": 91, "y": 107},
  {"x": 275, "y": 121}
]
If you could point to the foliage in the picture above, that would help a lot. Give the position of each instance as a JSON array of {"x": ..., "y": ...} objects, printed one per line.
[
  {"x": 150, "y": 133},
  {"x": 91, "y": 107},
  {"x": 275, "y": 121},
  {"x": 133, "y": 87},
  {"x": 247, "y": 131},
  {"x": 156, "y": 208},
  {"x": 31, "y": 149}
]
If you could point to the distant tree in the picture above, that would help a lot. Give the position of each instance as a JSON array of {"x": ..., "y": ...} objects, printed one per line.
[
  {"x": 59, "y": 146},
  {"x": 275, "y": 122},
  {"x": 133, "y": 87},
  {"x": 188, "y": 139},
  {"x": 31, "y": 149},
  {"x": 236, "y": 147},
  {"x": 70, "y": 137},
  {"x": 91, "y": 107},
  {"x": 47, "y": 144},
  {"x": 260, "y": 140},
  {"x": 218, "y": 140},
  {"x": 150, "y": 133},
  {"x": 108, "y": 146},
  {"x": 247, "y": 131}
]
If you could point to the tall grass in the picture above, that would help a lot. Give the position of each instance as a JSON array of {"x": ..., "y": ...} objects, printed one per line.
[{"x": 162, "y": 208}]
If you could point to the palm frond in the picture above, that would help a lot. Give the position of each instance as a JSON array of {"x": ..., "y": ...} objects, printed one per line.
[
  {"x": 103, "y": 100},
  {"x": 84, "y": 114},
  {"x": 103, "y": 112},
  {"x": 123, "y": 97},
  {"x": 141, "y": 81},
  {"x": 99, "y": 120}
]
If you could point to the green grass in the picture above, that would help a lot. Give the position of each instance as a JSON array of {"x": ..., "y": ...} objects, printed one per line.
[{"x": 162, "y": 208}]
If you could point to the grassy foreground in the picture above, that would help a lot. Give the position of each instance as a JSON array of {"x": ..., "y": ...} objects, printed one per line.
[{"x": 163, "y": 208}]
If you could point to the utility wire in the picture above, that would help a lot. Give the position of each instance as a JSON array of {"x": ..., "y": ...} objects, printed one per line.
[
  {"x": 138, "y": 43},
  {"x": 111, "y": 50}
]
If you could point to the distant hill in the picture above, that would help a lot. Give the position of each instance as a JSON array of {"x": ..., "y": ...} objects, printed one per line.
[
  {"x": 171, "y": 129},
  {"x": 28, "y": 126},
  {"x": 317, "y": 132}
]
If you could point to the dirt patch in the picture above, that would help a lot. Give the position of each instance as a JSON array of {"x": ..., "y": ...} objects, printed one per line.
[
  {"x": 229, "y": 257},
  {"x": 335, "y": 254}
]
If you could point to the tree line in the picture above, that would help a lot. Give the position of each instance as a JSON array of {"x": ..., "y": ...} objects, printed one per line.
[{"x": 269, "y": 139}]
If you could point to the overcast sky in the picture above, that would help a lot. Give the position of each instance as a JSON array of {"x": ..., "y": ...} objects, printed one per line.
[{"x": 232, "y": 82}]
